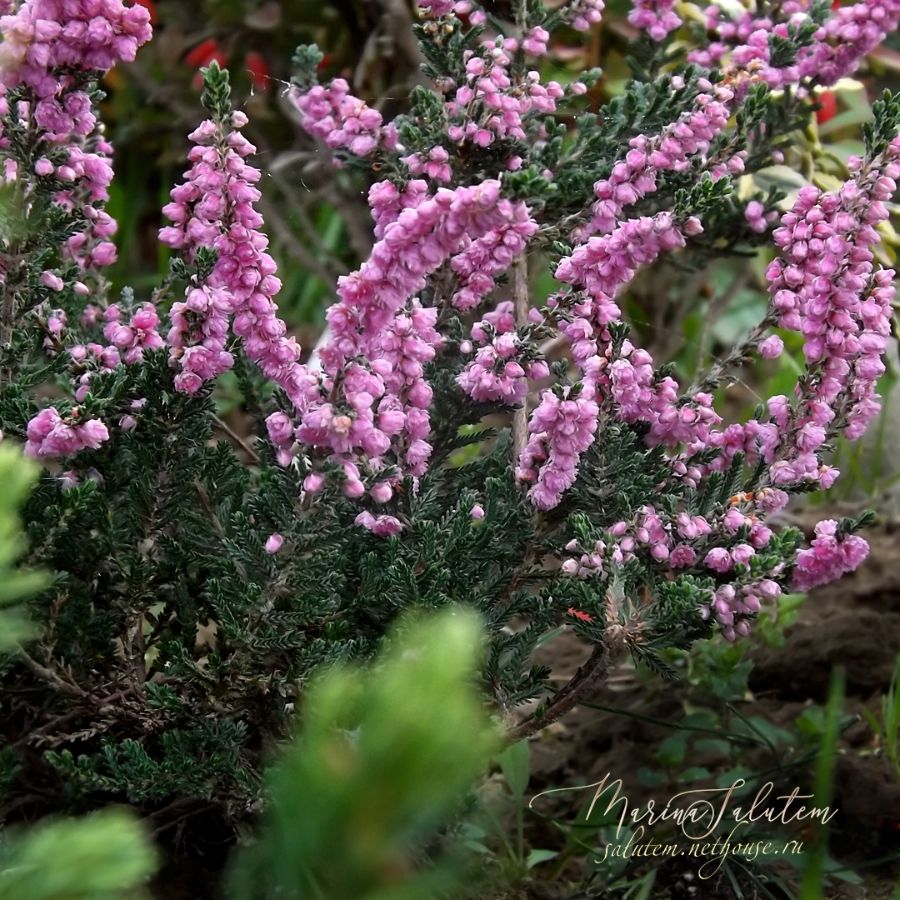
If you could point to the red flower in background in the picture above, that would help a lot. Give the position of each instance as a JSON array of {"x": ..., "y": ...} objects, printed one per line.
[
  {"x": 206, "y": 51},
  {"x": 260, "y": 73},
  {"x": 202, "y": 55},
  {"x": 827, "y": 107}
]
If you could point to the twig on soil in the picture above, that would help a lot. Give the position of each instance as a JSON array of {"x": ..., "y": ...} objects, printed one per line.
[{"x": 616, "y": 637}]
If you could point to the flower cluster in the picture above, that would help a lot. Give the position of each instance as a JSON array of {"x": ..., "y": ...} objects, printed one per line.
[
  {"x": 50, "y": 436},
  {"x": 561, "y": 428},
  {"x": 847, "y": 37},
  {"x": 413, "y": 246},
  {"x": 829, "y": 556},
  {"x": 639, "y": 395},
  {"x": 746, "y": 38},
  {"x": 635, "y": 176},
  {"x": 583, "y": 14},
  {"x": 656, "y": 18},
  {"x": 600, "y": 268},
  {"x": 837, "y": 48},
  {"x": 134, "y": 337},
  {"x": 735, "y": 606},
  {"x": 213, "y": 209},
  {"x": 480, "y": 264},
  {"x": 89, "y": 359},
  {"x": 49, "y": 52},
  {"x": 492, "y": 104},
  {"x": 343, "y": 122},
  {"x": 435, "y": 164},
  {"x": 387, "y": 201},
  {"x": 825, "y": 286},
  {"x": 604, "y": 265},
  {"x": 724, "y": 546},
  {"x": 499, "y": 372},
  {"x": 363, "y": 409},
  {"x": 758, "y": 218},
  {"x": 46, "y": 37}
]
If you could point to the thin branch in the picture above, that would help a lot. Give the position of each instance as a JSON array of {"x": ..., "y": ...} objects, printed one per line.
[
  {"x": 582, "y": 684},
  {"x": 299, "y": 208},
  {"x": 241, "y": 442},
  {"x": 616, "y": 638},
  {"x": 356, "y": 217},
  {"x": 286, "y": 237},
  {"x": 736, "y": 357},
  {"x": 48, "y": 675},
  {"x": 554, "y": 346},
  {"x": 7, "y": 318},
  {"x": 206, "y": 503}
]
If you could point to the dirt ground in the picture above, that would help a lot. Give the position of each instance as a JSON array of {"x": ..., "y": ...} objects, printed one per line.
[{"x": 854, "y": 624}]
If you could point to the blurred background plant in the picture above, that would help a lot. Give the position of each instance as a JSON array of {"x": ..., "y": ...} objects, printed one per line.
[
  {"x": 378, "y": 773},
  {"x": 363, "y": 805},
  {"x": 105, "y": 856}
]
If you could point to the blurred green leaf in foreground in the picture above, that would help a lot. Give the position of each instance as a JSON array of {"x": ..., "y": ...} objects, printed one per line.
[
  {"x": 384, "y": 760},
  {"x": 17, "y": 475},
  {"x": 101, "y": 857}
]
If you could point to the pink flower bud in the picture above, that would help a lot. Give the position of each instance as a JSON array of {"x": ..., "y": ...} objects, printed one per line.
[{"x": 772, "y": 347}]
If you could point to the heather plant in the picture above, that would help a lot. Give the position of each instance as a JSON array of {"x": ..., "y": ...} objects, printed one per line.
[{"x": 454, "y": 437}]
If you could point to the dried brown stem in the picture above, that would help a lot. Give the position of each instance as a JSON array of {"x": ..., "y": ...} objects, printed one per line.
[
  {"x": 51, "y": 677},
  {"x": 520, "y": 301},
  {"x": 582, "y": 684},
  {"x": 241, "y": 442}
]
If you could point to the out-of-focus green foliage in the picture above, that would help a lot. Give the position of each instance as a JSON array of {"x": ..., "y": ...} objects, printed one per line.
[
  {"x": 102, "y": 857},
  {"x": 385, "y": 758},
  {"x": 886, "y": 727},
  {"x": 17, "y": 476}
]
